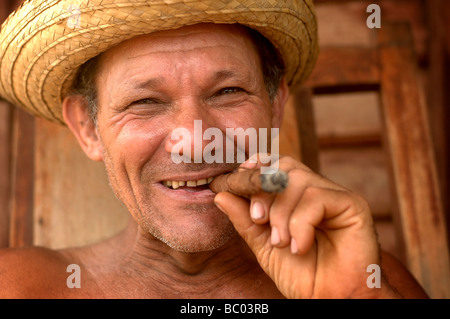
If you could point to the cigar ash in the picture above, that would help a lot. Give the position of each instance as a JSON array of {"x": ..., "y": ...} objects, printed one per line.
[{"x": 275, "y": 182}]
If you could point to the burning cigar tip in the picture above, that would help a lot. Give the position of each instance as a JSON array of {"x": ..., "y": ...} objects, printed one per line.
[{"x": 275, "y": 182}]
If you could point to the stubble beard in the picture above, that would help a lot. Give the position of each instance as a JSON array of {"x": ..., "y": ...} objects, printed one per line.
[
  {"x": 194, "y": 239},
  {"x": 197, "y": 238}
]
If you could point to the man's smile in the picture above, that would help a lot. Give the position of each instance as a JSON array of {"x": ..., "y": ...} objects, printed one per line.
[
  {"x": 190, "y": 187},
  {"x": 195, "y": 184}
]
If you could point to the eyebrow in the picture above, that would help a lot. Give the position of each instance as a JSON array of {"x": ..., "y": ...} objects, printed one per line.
[
  {"x": 152, "y": 82},
  {"x": 226, "y": 74},
  {"x": 218, "y": 76}
]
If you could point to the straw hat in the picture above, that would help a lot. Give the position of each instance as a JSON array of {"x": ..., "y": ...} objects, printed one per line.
[{"x": 43, "y": 43}]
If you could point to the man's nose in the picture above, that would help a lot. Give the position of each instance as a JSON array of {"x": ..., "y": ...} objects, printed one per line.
[{"x": 186, "y": 139}]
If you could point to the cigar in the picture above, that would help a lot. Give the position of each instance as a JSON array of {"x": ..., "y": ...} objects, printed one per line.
[{"x": 249, "y": 182}]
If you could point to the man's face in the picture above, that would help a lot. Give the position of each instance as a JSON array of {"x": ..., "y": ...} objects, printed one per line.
[{"x": 151, "y": 85}]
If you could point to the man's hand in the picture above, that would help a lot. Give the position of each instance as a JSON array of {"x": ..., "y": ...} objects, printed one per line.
[{"x": 315, "y": 239}]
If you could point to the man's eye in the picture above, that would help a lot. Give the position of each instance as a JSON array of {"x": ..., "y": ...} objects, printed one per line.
[
  {"x": 229, "y": 90},
  {"x": 145, "y": 101},
  {"x": 147, "y": 106}
]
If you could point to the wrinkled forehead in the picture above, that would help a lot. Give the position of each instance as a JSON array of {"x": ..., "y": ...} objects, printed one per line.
[{"x": 200, "y": 36}]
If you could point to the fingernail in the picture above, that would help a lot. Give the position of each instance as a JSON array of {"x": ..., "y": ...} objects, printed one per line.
[
  {"x": 294, "y": 247},
  {"x": 275, "y": 236},
  {"x": 257, "y": 211},
  {"x": 218, "y": 206}
]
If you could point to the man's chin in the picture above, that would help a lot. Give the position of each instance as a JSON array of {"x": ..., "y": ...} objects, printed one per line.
[
  {"x": 195, "y": 239},
  {"x": 195, "y": 246},
  {"x": 185, "y": 226}
]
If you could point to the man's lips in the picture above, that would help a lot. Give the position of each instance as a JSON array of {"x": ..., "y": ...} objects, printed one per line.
[
  {"x": 175, "y": 184},
  {"x": 195, "y": 194},
  {"x": 185, "y": 191},
  {"x": 192, "y": 181}
]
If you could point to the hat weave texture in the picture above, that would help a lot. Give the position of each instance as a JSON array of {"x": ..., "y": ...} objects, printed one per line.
[{"x": 43, "y": 43}]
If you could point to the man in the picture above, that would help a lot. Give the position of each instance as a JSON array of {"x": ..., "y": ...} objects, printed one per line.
[{"x": 313, "y": 240}]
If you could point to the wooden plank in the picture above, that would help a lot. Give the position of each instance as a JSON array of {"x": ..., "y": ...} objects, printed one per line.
[
  {"x": 5, "y": 176},
  {"x": 74, "y": 205},
  {"x": 411, "y": 11},
  {"x": 336, "y": 142},
  {"x": 362, "y": 170},
  {"x": 21, "y": 222},
  {"x": 309, "y": 146},
  {"x": 343, "y": 22},
  {"x": 437, "y": 87},
  {"x": 6, "y": 114},
  {"x": 344, "y": 67},
  {"x": 289, "y": 132},
  {"x": 446, "y": 80},
  {"x": 419, "y": 211},
  {"x": 348, "y": 119}
]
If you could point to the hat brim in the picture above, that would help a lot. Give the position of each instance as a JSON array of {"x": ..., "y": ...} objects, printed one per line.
[{"x": 43, "y": 46}]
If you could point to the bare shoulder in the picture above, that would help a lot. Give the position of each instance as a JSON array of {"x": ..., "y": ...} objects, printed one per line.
[
  {"x": 33, "y": 273},
  {"x": 400, "y": 278}
]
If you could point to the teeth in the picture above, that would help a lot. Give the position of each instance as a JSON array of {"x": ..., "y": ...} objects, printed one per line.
[
  {"x": 191, "y": 183},
  {"x": 177, "y": 184}
]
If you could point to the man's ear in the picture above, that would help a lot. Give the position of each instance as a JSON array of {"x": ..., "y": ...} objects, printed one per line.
[
  {"x": 75, "y": 114},
  {"x": 279, "y": 103}
]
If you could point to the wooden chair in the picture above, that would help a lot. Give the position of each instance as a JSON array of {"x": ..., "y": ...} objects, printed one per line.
[{"x": 390, "y": 69}]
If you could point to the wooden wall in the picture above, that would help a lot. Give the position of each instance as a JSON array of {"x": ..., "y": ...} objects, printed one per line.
[
  {"x": 354, "y": 150},
  {"x": 73, "y": 203}
]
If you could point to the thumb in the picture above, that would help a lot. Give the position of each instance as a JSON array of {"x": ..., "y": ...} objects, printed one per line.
[{"x": 238, "y": 211}]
